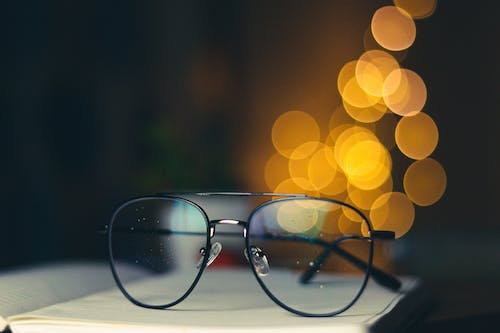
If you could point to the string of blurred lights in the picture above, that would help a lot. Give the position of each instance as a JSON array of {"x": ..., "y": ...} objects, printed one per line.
[{"x": 382, "y": 105}]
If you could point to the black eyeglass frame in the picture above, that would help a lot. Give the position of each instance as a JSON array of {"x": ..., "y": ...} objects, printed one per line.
[{"x": 380, "y": 277}]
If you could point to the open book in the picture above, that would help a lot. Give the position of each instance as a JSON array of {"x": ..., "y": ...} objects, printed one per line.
[{"x": 82, "y": 298}]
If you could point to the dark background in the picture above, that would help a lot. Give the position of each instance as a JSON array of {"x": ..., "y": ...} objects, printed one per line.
[{"x": 101, "y": 101}]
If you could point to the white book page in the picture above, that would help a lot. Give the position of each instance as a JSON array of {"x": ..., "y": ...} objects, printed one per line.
[
  {"x": 223, "y": 301},
  {"x": 25, "y": 290}
]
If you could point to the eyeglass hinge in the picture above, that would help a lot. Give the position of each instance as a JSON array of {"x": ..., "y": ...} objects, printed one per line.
[{"x": 383, "y": 234}]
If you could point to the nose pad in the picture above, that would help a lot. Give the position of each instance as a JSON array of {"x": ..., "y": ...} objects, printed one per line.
[
  {"x": 259, "y": 260},
  {"x": 215, "y": 250}
]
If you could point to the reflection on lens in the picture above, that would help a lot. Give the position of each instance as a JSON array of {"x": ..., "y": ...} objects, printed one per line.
[
  {"x": 157, "y": 241},
  {"x": 311, "y": 266}
]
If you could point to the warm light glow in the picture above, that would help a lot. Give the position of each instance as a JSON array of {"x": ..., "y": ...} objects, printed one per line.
[
  {"x": 372, "y": 69},
  {"x": 417, "y": 136},
  {"x": 291, "y": 130},
  {"x": 392, "y": 211},
  {"x": 337, "y": 186},
  {"x": 353, "y": 163},
  {"x": 370, "y": 43},
  {"x": 350, "y": 213},
  {"x": 296, "y": 218},
  {"x": 347, "y": 139},
  {"x": 276, "y": 170},
  {"x": 362, "y": 158},
  {"x": 366, "y": 115},
  {"x": 347, "y": 226},
  {"x": 289, "y": 185},
  {"x": 339, "y": 117},
  {"x": 366, "y": 163},
  {"x": 347, "y": 72},
  {"x": 320, "y": 171},
  {"x": 425, "y": 182},
  {"x": 364, "y": 199},
  {"x": 356, "y": 96},
  {"x": 418, "y": 9},
  {"x": 330, "y": 221},
  {"x": 407, "y": 92},
  {"x": 298, "y": 167},
  {"x": 375, "y": 178},
  {"x": 393, "y": 28}
]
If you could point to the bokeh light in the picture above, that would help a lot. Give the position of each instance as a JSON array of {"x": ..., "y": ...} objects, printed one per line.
[
  {"x": 418, "y": 9},
  {"x": 364, "y": 199},
  {"x": 291, "y": 130},
  {"x": 364, "y": 160},
  {"x": 356, "y": 96},
  {"x": 372, "y": 68},
  {"x": 353, "y": 163},
  {"x": 417, "y": 136},
  {"x": 276, "y": 170},
  {"x": 320, "y": 171},
  {"x": 348, "y": 226},
  {"x": 337, "y": 187},
  {"x": 350, "y": 213},
  {"x": 392, "y": 211},
  {"x": 298, "y": 165},
  {"x": 368, "y": 114},
  {"x": 339, "y": 117},
  {"x": 290, "y": 185},
  {"x": 406, "y": 92},
  {"x": 393, "y": 28},
  {"x": 425, "y": 182},
  {"x": 296, "y": 218},
  {"x": 369, "y": 43}
]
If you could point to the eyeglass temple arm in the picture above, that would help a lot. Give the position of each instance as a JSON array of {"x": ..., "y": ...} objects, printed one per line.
[{"x": 384, "y": 279}]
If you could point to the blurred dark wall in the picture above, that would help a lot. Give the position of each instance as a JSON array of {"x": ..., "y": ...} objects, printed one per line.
[{"x": 103, "y": 100}]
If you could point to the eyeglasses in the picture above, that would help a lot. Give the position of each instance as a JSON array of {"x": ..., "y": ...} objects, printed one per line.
[{"x": 311, "y": 256}]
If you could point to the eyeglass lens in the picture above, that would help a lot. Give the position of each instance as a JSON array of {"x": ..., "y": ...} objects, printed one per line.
[
  {"x": 160, "y": 239},
  {"x": 309, "y": 247}
]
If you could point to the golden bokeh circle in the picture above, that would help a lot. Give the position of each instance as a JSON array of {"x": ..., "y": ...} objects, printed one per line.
[
  {"x": 339, "y": 117},
  {"x": 393, "y": 28},
  {"x": 368, "y": 114},
  {"x": 369, "y": 43},
  {"x": 320, "y": 171},
  {"x": 296, "y": 218},
  {"x": 356, "y": 96},
  {"x": 417, "y": 136},
  {"x": 348, "y": 138},
  {"x": 364, "y": 199},
  {"x": 363, "y": 159},
  {"x": 275, "y": 170},
  {"x": 372, "y": 68},
  {"x": 298, "y": 164},
  {"x": 348, "y": 226},
  {"x": 405, "y": 92},
  {"x": 418, "y": 9},
  {"x": 425, "y": 182},
  {"x": 292, "y": 129},
  {"x": 290, "y": 186},
  {"x": 393, "y": 211},
  {"x": 347, "y": 72}
]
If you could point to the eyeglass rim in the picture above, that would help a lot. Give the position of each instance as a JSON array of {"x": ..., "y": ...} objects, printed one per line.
[
  {"x": 283, "y": 197},
  {"x": 276, "y": 299},
  {"x": 112, "y": 263}
]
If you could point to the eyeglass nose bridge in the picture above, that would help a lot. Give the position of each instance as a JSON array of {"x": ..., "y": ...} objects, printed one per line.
[{"x": 241, "y": 223}]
